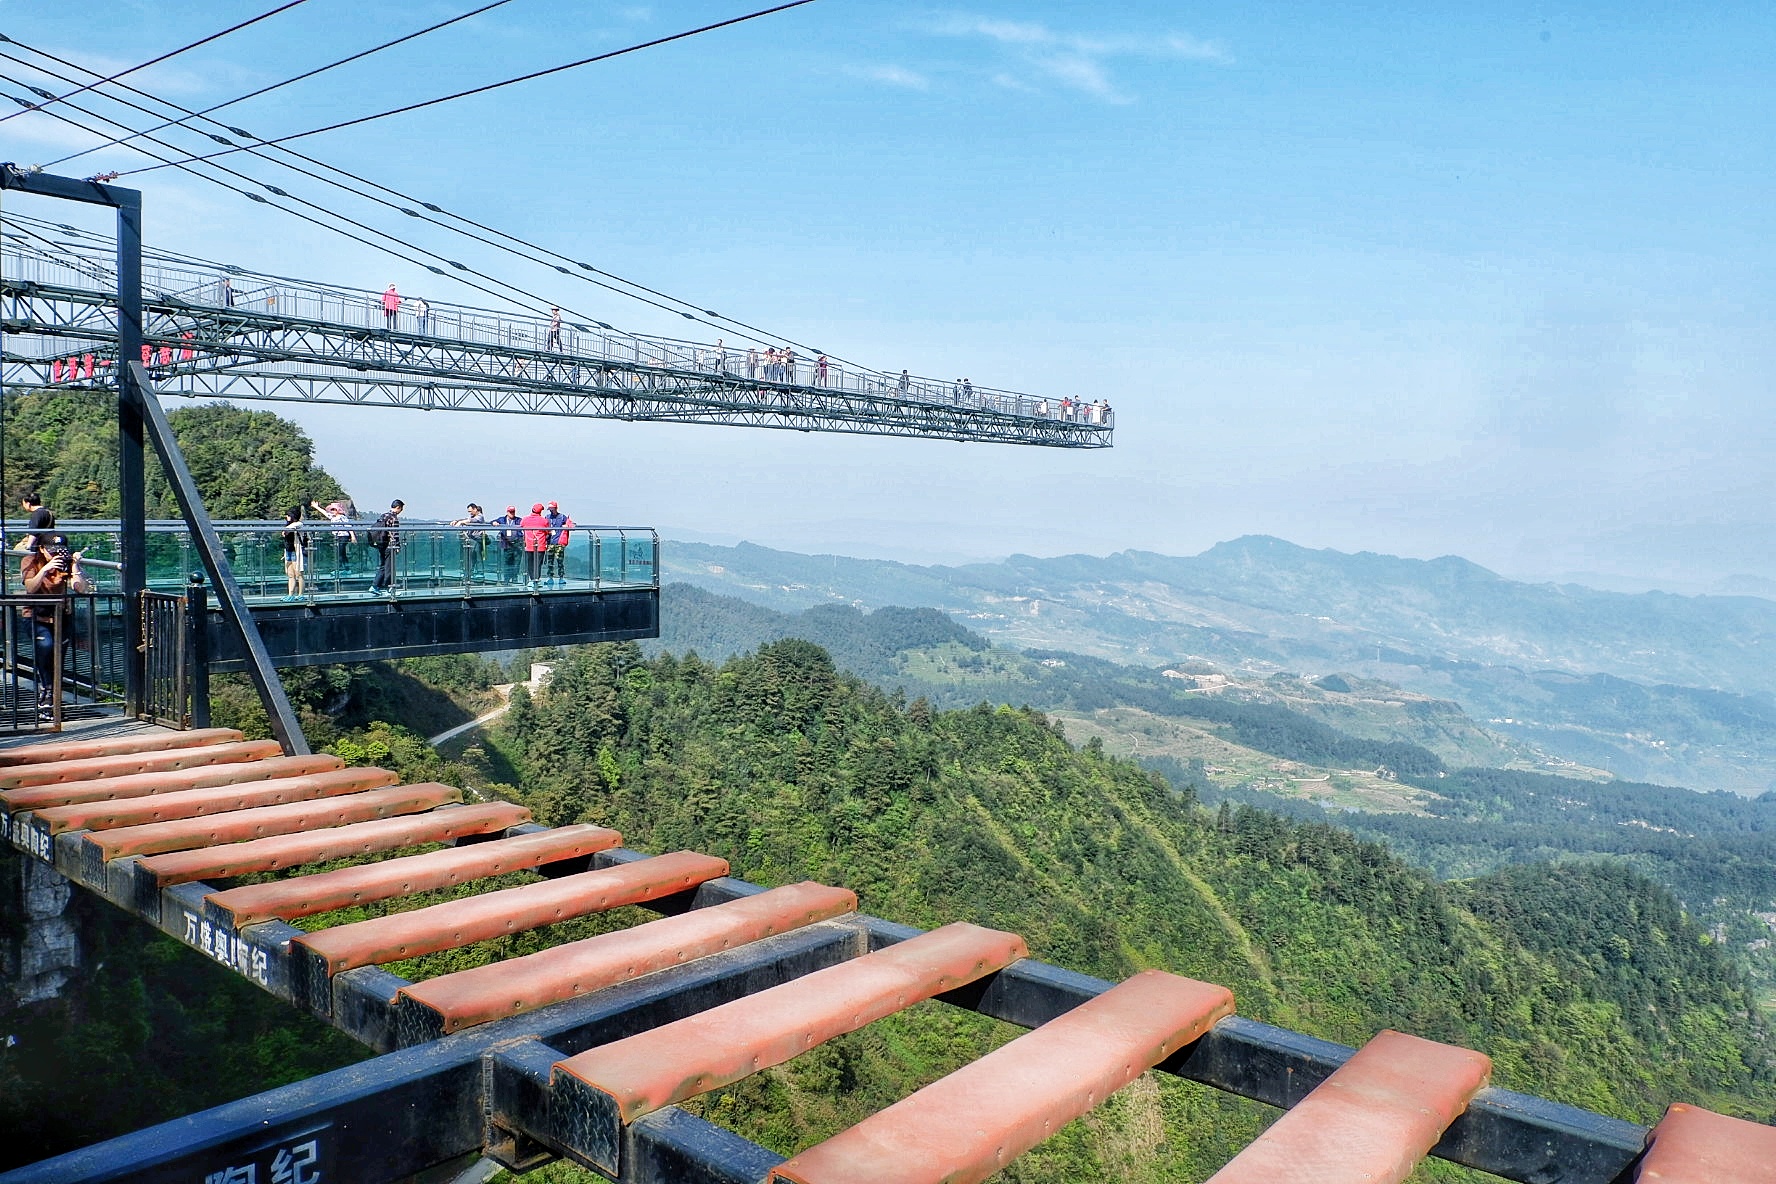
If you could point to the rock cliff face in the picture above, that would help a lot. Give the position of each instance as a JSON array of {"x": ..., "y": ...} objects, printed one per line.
[{"x": 42, "y": 949}]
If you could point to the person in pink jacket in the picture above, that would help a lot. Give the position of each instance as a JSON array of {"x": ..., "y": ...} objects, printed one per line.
[
  {"x": 391, "y": 307},
  {"x": 536, "y": 541}
]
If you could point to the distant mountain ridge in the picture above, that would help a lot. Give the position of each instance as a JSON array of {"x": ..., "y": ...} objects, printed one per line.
[{"x": 1652, "y": 686}]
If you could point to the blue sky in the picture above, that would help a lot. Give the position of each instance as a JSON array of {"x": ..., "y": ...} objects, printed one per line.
[{"x": 1484, "y": 279}]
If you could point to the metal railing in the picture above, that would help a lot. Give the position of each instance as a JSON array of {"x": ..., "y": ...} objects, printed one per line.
[
  {"x": 74, "y": 670},
  {"x": 221, "y": 288},
  {"x": 428, "y": 559}
]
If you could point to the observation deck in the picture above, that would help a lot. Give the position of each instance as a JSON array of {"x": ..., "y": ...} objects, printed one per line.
[
  {"x": 455, "y": 589},
  {"x": 220, "y": 331}
]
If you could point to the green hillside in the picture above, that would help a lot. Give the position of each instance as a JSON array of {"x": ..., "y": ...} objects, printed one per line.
[{"x": 791, "y": 770}]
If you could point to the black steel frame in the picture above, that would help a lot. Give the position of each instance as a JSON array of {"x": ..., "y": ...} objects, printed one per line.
[
  {"x": 139, "y": 415},
  {"x": 434, "y": 1102}
]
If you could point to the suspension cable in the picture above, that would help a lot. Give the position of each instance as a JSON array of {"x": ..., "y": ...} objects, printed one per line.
[
  {"x": 253, "y": 94},
  {"x": 522, "y": 298},
  {"x": 163, "y": 57},
  {"x": 554, "y": 259},
  {"x": 463, "y": 94}
]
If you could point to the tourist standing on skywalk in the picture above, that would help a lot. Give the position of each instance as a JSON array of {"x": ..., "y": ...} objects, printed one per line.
[
  {"x": 295, "y": 567},
  {"x": 385, "y": 536},
  {"x": 555, "y": 558},
  {"x": 52, "y": 569},
  {"x": 536, "y": 541},
  {"x": 511, "y": 543},
  {"x": 339, "y": 515},
  {"x": 391, "y": 307}
]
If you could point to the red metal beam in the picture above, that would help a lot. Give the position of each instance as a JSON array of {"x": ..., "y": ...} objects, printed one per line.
[
  {"x": 304, "y": 896},
  {"x": 277, "y": 852},
  {"x": 518, "y": 985},
  {"x": 164, "y": 760},
  {"x": 973, "y": 1123},
  {"x": 1371, "y": 1122},
  {"x": 458, "y": 923},
  {"x": 241, "y": 825},
  {"x": 136, "y": 785},
  {"x": 221, "y": 799},
  {"x": 146, "y": 741},
  {"x": 645, "y": 1072},
  {"x": 1696, "y": 1146}
]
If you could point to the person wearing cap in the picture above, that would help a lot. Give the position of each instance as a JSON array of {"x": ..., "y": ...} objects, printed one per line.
[
  {"x": 511, "y": 542},
  {"x": 343, "y": 535},
  {"x": 52, "y": 569},
  {"x": 391, "y": 307},
  {"x": 385, "y": 536},
  {"x": 555, "y": 557},
  {"x": 536, "y": 541}
]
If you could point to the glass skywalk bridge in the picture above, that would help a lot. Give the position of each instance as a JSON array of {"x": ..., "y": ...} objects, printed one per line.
[
  {"x": 433, "y": 560},
  {"x": 455, "y": 590},
  {"x": 216, "y": 330}
]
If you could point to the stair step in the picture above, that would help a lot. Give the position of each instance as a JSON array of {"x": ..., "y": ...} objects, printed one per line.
[
  {"x": 691, "y": 1056},
  {"x": 304, "y": 896},
  {"x": 276, "y": 852},
  {"x": 137, "y": 785},
  {"x": 974, "y": 1122},
  {"x": 1371, "y": 1122},
  {"x": 182, "y": 834},
  {"x": 144, "y": 741},
  {"x": 121, "y": 764},
  {"x": 469, "y": 997},
  {"x": 458, "y": 923},
  {"x": 1696, "y": 1146},
  {"x": 220, "y": 799}
]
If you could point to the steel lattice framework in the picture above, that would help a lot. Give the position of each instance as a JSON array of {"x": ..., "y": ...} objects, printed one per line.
[{"x": 214, "y": 331}]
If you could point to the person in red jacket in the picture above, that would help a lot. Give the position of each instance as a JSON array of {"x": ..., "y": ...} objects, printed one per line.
[{"x": 536, "y": 541}]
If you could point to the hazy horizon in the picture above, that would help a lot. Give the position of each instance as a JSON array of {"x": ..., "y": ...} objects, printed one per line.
[{"x": 1478, "y": 280}]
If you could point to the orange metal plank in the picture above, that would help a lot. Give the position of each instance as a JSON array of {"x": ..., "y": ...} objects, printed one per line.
[
  {"x": 694, "y": 1055},
  {"x": 305, "y": 896},
  {"x": 80, "y": 750},
  {"x": 277, "y": 852},
  {"x": 1371, "y": 1121},
  {"x": 512, "y": 910},
  {"x": 518, "y": 985},
  {"x": 220, "y": 799},
  {"x": 966, "y": 1126},
  {"x": 181, "y": 835},
  {"x": 25, "y": 776},
  {"x": 137, "y": 785},
  {"x": 1696, "y": 1146}
]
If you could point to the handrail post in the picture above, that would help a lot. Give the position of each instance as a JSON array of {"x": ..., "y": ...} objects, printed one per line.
[{"x": 197, "y": 648}]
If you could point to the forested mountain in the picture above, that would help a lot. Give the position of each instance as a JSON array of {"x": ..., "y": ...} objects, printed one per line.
[
  {"x": 1434, "y": 801},
  {"x": 790, "y": 769},
  {"x": 248, "y": 464},
  {"x": 1655, "y": 687}
]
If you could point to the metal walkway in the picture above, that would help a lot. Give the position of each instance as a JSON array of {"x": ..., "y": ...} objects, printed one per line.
[
  {"x": 219, "y": 331},
  {"x": 584, "y": 1049}
]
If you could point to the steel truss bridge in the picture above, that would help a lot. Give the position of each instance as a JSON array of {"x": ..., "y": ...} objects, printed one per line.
[{"x": 218, "y": 331}]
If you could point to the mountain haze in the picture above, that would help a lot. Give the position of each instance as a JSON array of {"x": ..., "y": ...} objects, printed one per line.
[{"x": 1652, "y": 686}]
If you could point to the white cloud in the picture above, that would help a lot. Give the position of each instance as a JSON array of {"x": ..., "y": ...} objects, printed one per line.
[
  {"x": 891, "y": 76},
  {"x": 1077, "y": 61}
]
